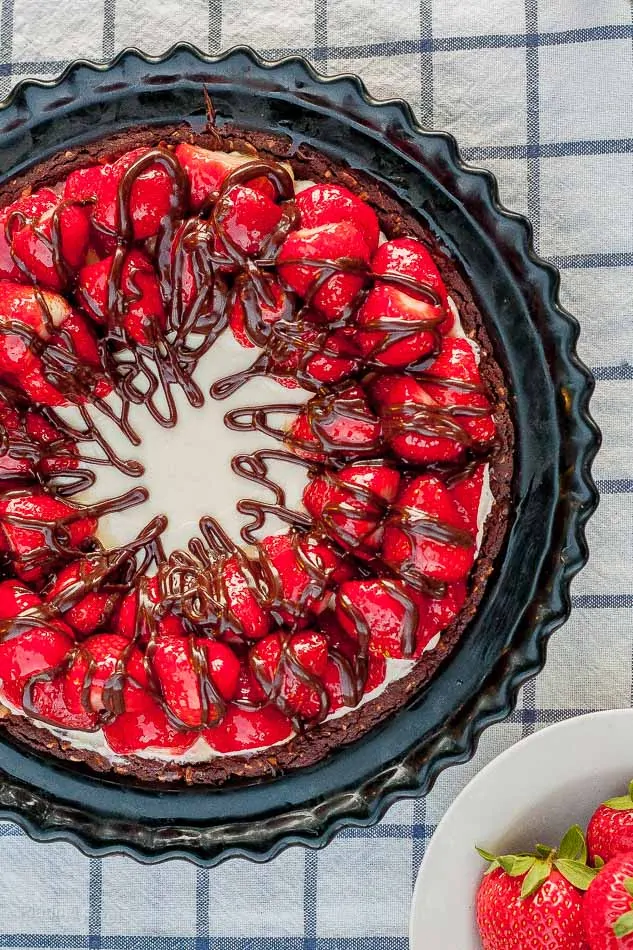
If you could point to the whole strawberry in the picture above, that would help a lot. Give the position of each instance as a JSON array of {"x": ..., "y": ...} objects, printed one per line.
[
  {"x": 535, "y": 900},
  {"x": 610, "y": 830},
  {"x": 608, "y": 906}
]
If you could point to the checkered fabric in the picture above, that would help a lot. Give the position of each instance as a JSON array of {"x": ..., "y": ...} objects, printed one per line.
[{"x": 540, "y": 92}]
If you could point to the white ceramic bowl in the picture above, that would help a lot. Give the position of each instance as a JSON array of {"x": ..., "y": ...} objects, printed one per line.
[{"x": 532, "y": 792}]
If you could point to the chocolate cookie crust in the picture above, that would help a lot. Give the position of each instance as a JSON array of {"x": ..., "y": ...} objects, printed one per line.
[{"x": 309, "y": 747}]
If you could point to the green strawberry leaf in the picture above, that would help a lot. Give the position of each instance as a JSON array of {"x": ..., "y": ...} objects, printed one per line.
[
  {"x": 628, "y": 885},
  {"x": 598, "y": 862},
  {"x": 621, "y": 802},
  {"x": 624, "y": 925},
  {"x": 536, "y": 876},
  {"x": 573, "y": 846},
  {"x": 576, "y": 872},
  {"x": 543, "y": 851},
  {"x": 486, "y": 855}
]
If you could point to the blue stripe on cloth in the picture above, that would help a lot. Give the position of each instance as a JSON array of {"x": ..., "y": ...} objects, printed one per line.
[
  {"x": 95, "y": 902},
  {"x": 109, "y": 13},
  {"x": 615, "y": 259},
  {"x": 426, "y": 65},
  {"x": 614, "y": 486},
  {"x": 150, "y": 942},
  {"x": 202, "y": 909},
  {"x": 310, "y": 906},
  {"x": 603, "y": 601},
  {"x": 619, "y": 371},
  {"x": 321, "y": 49},
  {"x": 573, "y": 149},
  {"x": 533, "y": 122},
  {"x": 214, "y": 26}
]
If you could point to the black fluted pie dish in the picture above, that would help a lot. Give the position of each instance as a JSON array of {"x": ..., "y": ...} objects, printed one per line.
[{"x": 321, "y": 783}]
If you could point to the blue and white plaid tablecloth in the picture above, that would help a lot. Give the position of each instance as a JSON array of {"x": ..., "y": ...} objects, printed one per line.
[{"x": 541, "y": 93}]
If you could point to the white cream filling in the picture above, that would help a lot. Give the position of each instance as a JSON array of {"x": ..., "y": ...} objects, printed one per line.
[{"x": 188, "y": 474}]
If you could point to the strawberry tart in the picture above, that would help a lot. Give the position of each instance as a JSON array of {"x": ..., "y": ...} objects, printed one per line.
[{"x": 256, "y": 455}]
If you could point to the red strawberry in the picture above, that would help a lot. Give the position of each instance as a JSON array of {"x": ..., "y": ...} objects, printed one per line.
[
  {"x": 246, "y": 218},
  {"x": 85, "y": 184},
  {"x": 396, "y": 328},
  {"x": 389, "y": 612},
  {"x": 466, "y": 493},
  {"x": 31, "y": 245},
  {"x": 195, "y": 699},
  {"x": 131, "y": 625},
  {"x": 15, "y": 598},
  {"x": 143, "y": 306},
  {"x": 29, "y": 208},
  {"x": 46, "y": 701},
  {"x": 330, "y": 361},
  {"x": 242, "y": 600},
  {"x": 207, "y": 170},
  {"x": 99, "y": 672},
  {"x": 77, "y": 336},
  {"x": 327, "y": 243},
  {"x": 610, "y": 830},
  {"x": 86, "y": 611},
  {"x": 145, "y": 727},
  {"x": 331, "y": 204},
  {"x": 255, "y": 333},
  {"x": 425, "y": 536},
  {"x": 607, "y": 911},
  {"x": 407, "y": 257},
  {"x": 459, "y": 384},
  {"x": 27, "y": 517},
  {"x": 36, "y": 648},
  {"x": 417, "y": 429},
  {"x": 245, "y": 729},
  {"x": 535, "y": 901},
  {"x": 248, "y": 691},
  {"x": 150, "y": 196},
  {"x": 340, "y": 678},
  {"x": 336, "y": 424},
  {"x": 298, "y": 571},
  {"x": 349, "y": 504},
  {"x": 289, "y": 669}
]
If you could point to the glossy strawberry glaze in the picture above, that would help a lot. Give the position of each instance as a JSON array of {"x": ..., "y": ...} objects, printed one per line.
[{"x": 377, "y": 460}]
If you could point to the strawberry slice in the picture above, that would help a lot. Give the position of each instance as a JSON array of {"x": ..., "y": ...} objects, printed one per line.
[
  {"x": 37, "y": 648},
  {"x": 453, "y": 380},
  {"x": 396, "y": 328},
  {"x": 87, "y": 612},
  {"x": 27, "y": 209},
  {"x": 289, "y": 670},
  {"x": 30, "y": 523},
  {"x": 196, "y": 677},
  {"x": 149, "y": 201},
  {"x": 146, "y": 726},
  {"x": 32, "y": 248},
  {"x": 342, "y": 243},
  {"x": 244, "y": 729},
  {"x": 425, "y": 536},
  {"x": 299, "y": 571},
  {"x": 466, "y": 494},
  {"x": 15, "y": 599},
  {"x": 132, "y": 625},
  {"x": 207, "y": 170},
  {"x": 248, "y": 692},
  {"x": 341, "y": 674},
  {"x": 407, "y": 257},
  {"x": 142, "y": 302},
  {"x": 95, "y": 680},
  {"x": 246, "y": 219},
  {"x": 336, "y": 424},
  {"x": 417, "y": 428},
  {"x": 77, "y": 336},
  {"x": 35, "y": 447},
  {"x": 46, "y": 701},
  {"x": 349, "y": 504},
  {"x": 85, "y": 184},
  {"x": 243, "y": 599},
  {"x": 331, "y": 204},
  {"x": 254, "y": 329}
]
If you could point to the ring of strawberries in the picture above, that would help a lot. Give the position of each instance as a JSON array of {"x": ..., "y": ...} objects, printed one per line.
[{"x": 138, "y": 256}]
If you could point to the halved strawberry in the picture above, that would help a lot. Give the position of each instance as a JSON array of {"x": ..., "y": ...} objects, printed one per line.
[
  {"x": 245, "y": 729},
  {"x": 144, "y": 314},
  {"x": 84, "y": 184},
  {"x": 254, "y": 329},
  {"x": 142, "y": 626},
  {"x": 289, "y": 670},
  {"x": 248, "y": 691},
  {"x": 396, "y": 328},
  {"x": 76, "y": 335},
  {"x": 95, "y": 681},
  {"x": 243, "y": 599},
  {"x": 30, "y": 522},
  {"x": 207, "y": 170},
  {"x": 245, "y": 218},
  {"x": 33, "y": 250},
  {"x": 299, "y": 570},
  {"x": 416, "y": 427},
  {"x": 466, "y": 493},
  {"x": 342, "y": 679},
  {"x": 15, "y": 598},
  {"x": 26, "y": 209},
  {"x": 336, "y": 424},
  {"x": 425, "y": 535},
  {"x": 84, "y": 609},
  {"x": 196, "y": 677},
  {"x": 407, "y": 257},
  {"x": 307, "y": 257},
  {"x": 453, "y": 380},
  {"x": 331, "y": 204},
  {"x": 46, "y": 701},
  {"x": 349, "y": 504},
  {"x": 149, "y": 201},
  {"x": 36, "y": 648},
  {"x": 145, "y": 727}
]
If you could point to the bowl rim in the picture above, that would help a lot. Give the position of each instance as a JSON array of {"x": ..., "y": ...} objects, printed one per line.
[
  {"x": 483, "y": 776},
  {"x": 44, "y": 818}
]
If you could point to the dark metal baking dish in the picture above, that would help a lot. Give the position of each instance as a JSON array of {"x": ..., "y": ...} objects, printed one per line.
[{"x": 552, "y": 495}]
